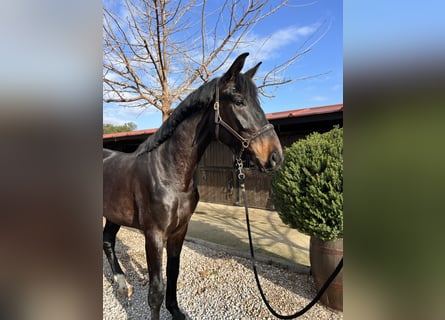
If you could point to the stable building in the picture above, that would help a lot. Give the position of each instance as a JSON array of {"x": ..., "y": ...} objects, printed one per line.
[{"x": 217, "y": 177}]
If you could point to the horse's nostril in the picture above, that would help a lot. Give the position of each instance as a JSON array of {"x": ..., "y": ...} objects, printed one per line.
[{"x": 275, "y": 159}]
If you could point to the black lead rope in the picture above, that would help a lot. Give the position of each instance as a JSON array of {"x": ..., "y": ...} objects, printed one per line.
[{"x": 319, "y": 294}]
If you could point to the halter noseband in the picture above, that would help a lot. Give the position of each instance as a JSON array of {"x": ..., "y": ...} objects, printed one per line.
[{"x": 245, "y": 142}]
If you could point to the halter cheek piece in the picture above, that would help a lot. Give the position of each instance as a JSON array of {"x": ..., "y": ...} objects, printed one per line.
[{"x": 245, "y": 142}]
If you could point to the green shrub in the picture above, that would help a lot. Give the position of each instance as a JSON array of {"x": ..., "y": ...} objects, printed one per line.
[{"x": 308, "y": 189}]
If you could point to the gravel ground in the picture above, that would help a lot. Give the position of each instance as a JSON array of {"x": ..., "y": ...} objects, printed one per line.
[{"x": 212, "y": 284}]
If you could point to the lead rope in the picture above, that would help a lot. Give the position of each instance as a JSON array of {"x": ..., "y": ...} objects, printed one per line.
[{"x": 241, "y": 178}]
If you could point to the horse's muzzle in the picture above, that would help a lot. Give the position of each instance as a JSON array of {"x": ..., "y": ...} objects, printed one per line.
[{"x": 267, "y": 152}]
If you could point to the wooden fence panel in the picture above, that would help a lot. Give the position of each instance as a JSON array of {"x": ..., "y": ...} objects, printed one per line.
[
  {"x": 258, "y": 190},
  {"x": 217, "y": 185}
]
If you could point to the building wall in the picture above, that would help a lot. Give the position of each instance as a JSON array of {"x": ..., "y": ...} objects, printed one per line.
[{"x": 217, "y": 177}]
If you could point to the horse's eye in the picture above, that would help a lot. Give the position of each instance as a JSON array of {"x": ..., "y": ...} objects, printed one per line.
[{"x": 239, "y": 102}]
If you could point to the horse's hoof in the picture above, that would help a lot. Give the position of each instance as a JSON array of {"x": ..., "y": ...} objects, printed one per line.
[
  {"x": 124, "y": 289},
  {"x": 125, "y": 292}
]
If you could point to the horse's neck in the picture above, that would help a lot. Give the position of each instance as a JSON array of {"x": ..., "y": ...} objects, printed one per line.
[{"x": 184, "y": 149}]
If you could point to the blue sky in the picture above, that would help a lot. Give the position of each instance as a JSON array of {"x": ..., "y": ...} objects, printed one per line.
[{"x": 321, "y": 70}]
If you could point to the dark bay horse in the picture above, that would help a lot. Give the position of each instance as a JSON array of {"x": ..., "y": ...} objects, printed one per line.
[{"x": 153, "y": 189}]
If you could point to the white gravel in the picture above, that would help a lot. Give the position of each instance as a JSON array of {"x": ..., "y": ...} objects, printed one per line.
[{"x": 212, "y": 284}]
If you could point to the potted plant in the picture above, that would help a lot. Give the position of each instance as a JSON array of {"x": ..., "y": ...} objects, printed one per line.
[{"x": 308, "y": 196}]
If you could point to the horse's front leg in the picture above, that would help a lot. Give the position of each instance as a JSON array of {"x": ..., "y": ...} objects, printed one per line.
[
  {"x": 109, "y": 242},
  {"x": 153, "y": 250},
  {"x": 174, "y": 247}
]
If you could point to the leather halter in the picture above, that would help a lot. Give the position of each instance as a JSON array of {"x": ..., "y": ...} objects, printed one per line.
[{"x": 245, "y": 142}]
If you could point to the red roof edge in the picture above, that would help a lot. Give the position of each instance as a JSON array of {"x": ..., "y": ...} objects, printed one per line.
[
  {"x": 269, "y": 116},
  {"x": 305, "y": 112},
  {"x": 129, "y": 133}
]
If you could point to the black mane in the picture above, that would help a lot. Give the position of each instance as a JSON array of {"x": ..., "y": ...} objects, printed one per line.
[{"x": 195, "y": 101}]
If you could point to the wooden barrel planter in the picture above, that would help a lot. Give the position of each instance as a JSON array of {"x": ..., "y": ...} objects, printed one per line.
[{"x": 324, "y": 258}]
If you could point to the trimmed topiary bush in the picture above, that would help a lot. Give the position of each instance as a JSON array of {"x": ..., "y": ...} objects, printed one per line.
[{"x": 308, "y": 189}]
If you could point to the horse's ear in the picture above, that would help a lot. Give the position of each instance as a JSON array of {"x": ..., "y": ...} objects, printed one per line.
[
  {"x": 250, "y": 73},
  {"x": 235, "y": 68}
]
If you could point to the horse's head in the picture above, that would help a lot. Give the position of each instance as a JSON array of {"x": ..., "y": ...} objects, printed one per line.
[{"x": 240, "y": 122}]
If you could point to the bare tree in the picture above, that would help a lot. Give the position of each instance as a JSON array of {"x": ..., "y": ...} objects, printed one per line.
[{"x": 155, "y": 51}]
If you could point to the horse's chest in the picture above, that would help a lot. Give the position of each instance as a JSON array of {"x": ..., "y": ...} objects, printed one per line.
[{"x": 171, "y": 211}]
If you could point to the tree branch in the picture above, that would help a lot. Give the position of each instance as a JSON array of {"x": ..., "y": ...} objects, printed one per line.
[{"x": 156, "y": 51}]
